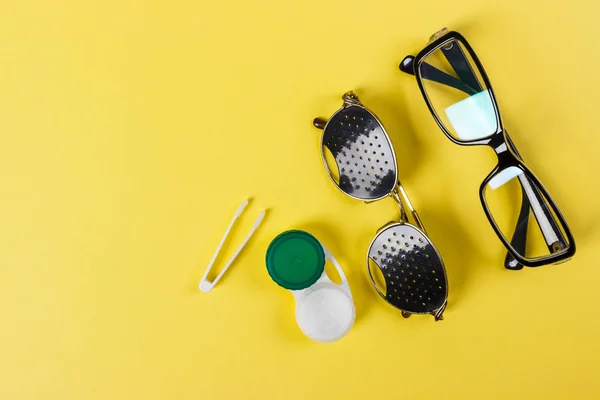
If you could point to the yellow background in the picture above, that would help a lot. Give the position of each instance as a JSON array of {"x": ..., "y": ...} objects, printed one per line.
[{"x": 131, "y": 130}]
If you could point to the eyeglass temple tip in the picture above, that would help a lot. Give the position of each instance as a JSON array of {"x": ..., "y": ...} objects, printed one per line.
[
  {"x": 407, "y": 65},
  {"x": 320, "y": 123}
]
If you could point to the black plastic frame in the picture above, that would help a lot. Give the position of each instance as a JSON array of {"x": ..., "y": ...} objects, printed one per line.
[{"x": 507, "y": 156}]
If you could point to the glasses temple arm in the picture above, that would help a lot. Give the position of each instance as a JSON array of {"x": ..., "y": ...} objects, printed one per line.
[
  {"x": 519, "y": 238},
  {"x": 394, "y": 195},
  {"x": 467, "y": 81},
  {"x": 433, "y": 74},
  {"x": 460, "y": 64},
  {"x": 413, "y": 212}
]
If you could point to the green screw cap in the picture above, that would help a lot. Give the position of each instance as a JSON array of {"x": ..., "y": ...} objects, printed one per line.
[{"x": 295, "y": 260}]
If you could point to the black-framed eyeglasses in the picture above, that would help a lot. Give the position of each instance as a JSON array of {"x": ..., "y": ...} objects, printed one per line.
[{"x": 460, "y": 97}]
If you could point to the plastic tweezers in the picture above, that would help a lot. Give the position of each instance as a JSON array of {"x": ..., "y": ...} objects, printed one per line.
[{"x": 206, "y": 285}]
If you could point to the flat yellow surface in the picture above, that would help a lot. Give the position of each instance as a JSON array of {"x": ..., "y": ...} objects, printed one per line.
[{"x": 131, "y": 130}]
